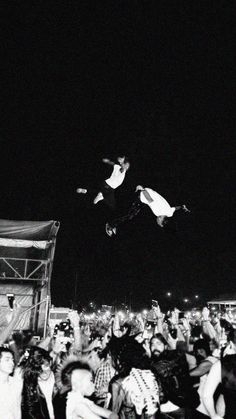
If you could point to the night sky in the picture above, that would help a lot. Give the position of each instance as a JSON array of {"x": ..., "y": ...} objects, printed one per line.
[{"x": 151, "y": 80}]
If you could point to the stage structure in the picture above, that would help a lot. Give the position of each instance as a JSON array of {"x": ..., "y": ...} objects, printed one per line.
[{"x": 27, "y": 251}]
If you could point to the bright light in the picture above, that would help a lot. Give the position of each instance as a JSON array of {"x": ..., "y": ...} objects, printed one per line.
[
  {"x": 196, "y": 296},
  {"x": 108, "y": 313},
  {"x": 145, "y": 312},
  {"x": 168, "y": 294},
  {"x": 186, "y": 300},
  {"x": 131, "y": 315}
]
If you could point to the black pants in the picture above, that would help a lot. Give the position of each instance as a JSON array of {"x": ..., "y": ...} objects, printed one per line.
[
  {"x": 108, "y": 195},
  {"x": 107, "y": 191},
  {"x": 132, "y": 212}
]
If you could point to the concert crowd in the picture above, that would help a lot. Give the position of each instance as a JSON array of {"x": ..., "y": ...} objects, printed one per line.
[{"x": 148, "y": 365}]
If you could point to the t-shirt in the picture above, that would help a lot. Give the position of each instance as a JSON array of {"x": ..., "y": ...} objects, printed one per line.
[
  {"x": 47, "y": 387},
  {"x": 201, "y": 408},
  {"x": 116, "y": 178},
  {"x": 74, "y": 400},
  {"x": 10, "y": 398},
  {"x": 159, "y": 205}
]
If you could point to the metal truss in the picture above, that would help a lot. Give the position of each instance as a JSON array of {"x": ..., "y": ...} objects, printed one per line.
[{"x": 24, "y": 269}]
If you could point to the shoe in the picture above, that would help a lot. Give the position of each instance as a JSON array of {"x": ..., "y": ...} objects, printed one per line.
[
  {"x": 81, "y": 190},
  {"x": 109, "y": 230},
  {"x": 98, "y": 198},
  {"x": 185, "y": 208}
]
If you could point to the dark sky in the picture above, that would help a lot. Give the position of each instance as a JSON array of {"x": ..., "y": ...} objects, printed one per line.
[{"x": 153, "y": 80}]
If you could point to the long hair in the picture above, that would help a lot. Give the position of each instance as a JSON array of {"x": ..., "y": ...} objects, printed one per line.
[
  {"x": 32, "y": 365},
  {"x": 32, "y": 368},
  {"x": 127, "y": 353}
]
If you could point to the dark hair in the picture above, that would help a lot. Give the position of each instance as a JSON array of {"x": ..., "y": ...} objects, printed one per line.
[
  {"x": 127, "y": 353},
  {"x": 3, "y": 349},
  {"x": 22, "y": 337},
  {"x": 232, "y": 336},
  {"x": 160, "y": 337},
  {"x": 32, "y": 365},
  {"x": 67, "y": 371},
  {"x": 202, "y": 344}
]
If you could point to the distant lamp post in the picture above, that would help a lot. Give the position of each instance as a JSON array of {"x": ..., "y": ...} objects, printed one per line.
[
  {"x": 196, "y": 296},
  {"x": 168, "y": 294},
  {"x": 186, "y": 300}
]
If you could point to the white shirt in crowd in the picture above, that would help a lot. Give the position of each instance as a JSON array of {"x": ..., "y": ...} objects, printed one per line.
[
  {"x": 10, "y": 398},
  {"x": 47, "y": 387},
  {"x": 76, "y": 402},
  {"x": 201, "y": 408}
]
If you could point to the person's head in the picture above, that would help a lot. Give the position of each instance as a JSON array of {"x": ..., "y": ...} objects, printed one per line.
[
  {"x": 6, "y": 361},
  {"x": 139, "y": 188},
  {"x": 231, "y": 345},
  {"x": 36, "y": 364},
  {"x": 213, "y": 345},
  {"x": 201, "y": 349},
  {"x": 158, "y": 344},
  {"x": 77, "y": 376},
  {"x": 22, "y": 338},
  {"x": 126, "y": 354},
  {"x": 123, "y": 161},
  {"x": 162, "y": 220}
]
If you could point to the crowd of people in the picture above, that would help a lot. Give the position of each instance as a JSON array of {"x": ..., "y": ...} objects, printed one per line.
[
  {"x": 122, "y": 365},
  {"x": 140, "y": 366}
]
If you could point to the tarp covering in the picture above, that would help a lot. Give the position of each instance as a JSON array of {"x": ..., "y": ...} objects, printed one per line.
[
  {"x": 28, "y": 230},
  {"x": 24, "y": 243}
]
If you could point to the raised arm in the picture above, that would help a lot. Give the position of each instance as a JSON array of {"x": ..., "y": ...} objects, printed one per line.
[
  {"x": 75, "y": 323},
  {"x": 108, "y": 161},
  {"x": 207, "y": 327},
  {"x": 213, "y": 379},
  {"x": 4, "y": 334}
]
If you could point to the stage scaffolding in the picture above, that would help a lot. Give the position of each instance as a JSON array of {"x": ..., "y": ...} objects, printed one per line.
[{"x": 27, "y": 251}]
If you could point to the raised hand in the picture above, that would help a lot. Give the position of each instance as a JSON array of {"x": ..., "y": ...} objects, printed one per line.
[
  {"x": 205, "y": 313},
  {"x": 74, "y": 318}
]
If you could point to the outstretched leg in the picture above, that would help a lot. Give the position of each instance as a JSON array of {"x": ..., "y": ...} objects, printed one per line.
[
  {"x": 133, "y": 211},
  {"x": 183, "y": 207},
  {"x": 91, "y": 191}
]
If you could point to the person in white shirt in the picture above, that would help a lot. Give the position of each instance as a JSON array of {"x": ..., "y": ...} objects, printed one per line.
[
  {"x": 77, "y": 376},
  {"x": 10, "y": 387},
  {"x": 106, "y": 189},
  {"x": 157, "y": 204}
]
